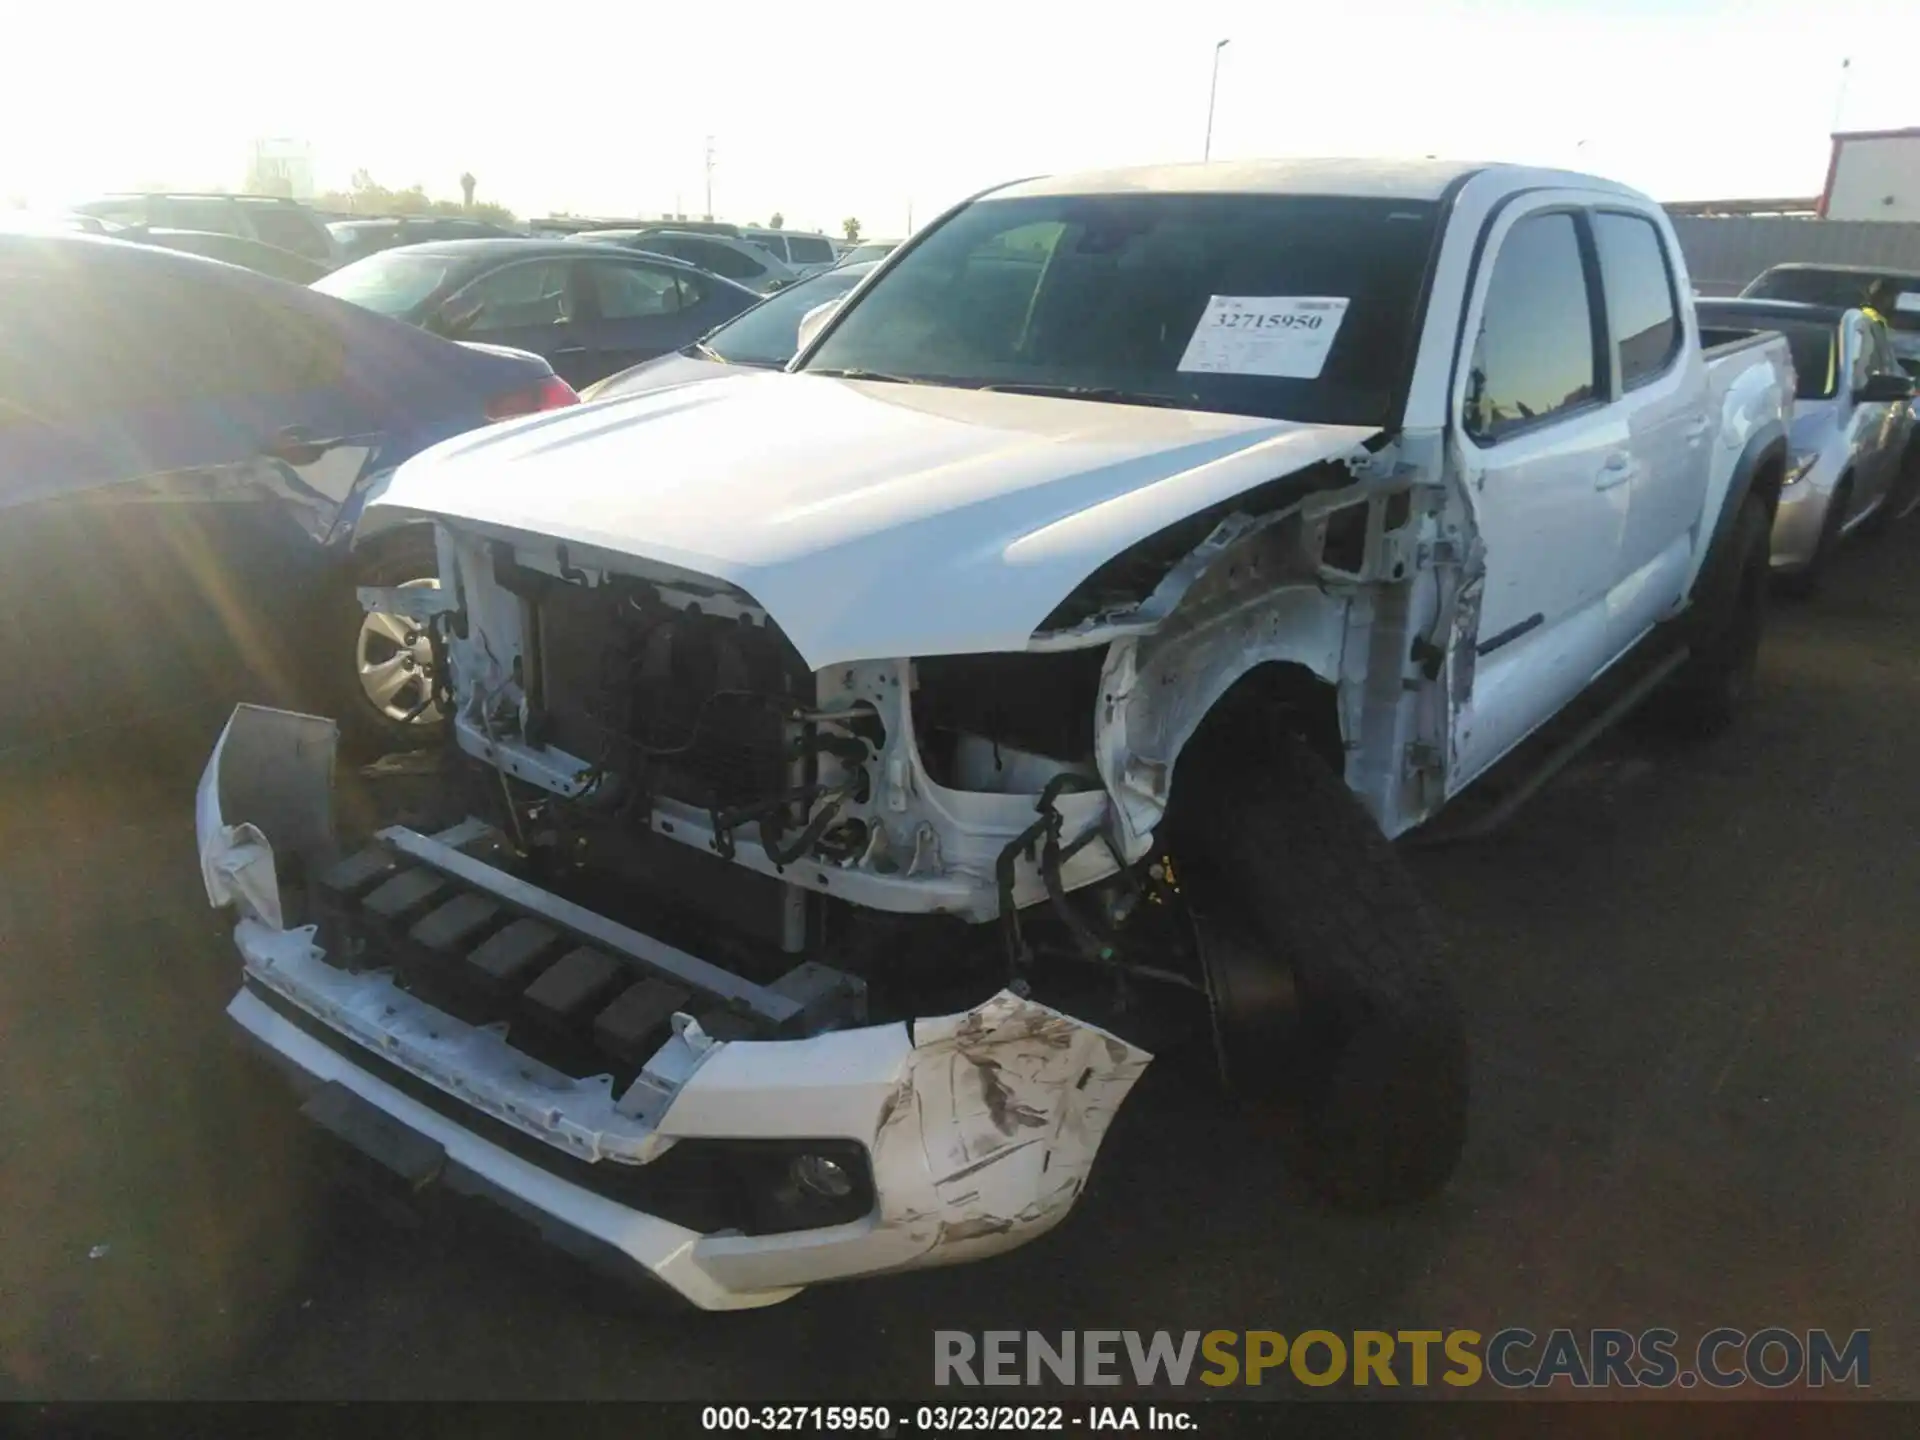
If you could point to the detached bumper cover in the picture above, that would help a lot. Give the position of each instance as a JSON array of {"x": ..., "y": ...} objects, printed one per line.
[{"x": 981, "y": 1127}]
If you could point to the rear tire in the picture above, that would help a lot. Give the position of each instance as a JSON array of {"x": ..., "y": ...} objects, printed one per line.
[
  {"x": 1335, "y": 1014},
  {"x": 1712, "y": 687}
]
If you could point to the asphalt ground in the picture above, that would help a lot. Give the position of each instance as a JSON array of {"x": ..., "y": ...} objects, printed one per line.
[{"x": 1692, "y": 982}]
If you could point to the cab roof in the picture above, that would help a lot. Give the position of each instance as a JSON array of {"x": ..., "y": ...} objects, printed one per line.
[{"x": 1360, "y": 178}]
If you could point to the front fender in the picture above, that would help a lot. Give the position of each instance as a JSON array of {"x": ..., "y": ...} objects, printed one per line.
[{"x": 1156, "y": 689}]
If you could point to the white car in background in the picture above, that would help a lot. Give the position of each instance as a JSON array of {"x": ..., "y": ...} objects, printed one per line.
[
  {"x": 868, "y": 250},
  {"x": 804, "y": 254}
]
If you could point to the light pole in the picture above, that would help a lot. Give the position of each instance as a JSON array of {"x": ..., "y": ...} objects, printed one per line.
[
  {"x": 1840, "y": 100},
  {"x": 1213, "y": 90},
  {"x": 709, "y": 177}
]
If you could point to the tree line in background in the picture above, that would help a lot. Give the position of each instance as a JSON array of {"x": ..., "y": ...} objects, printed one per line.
[{"x": 366, "y": 196}]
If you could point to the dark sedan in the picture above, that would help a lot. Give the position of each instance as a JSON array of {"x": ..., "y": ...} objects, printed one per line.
[
  {"x": 254, "y": 255},
  {"x": 590, "y": 311},
  {"x": 184, "y": 450}
]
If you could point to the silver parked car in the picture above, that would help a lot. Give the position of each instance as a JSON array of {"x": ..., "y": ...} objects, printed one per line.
[{"x": 1854, "y": 458}]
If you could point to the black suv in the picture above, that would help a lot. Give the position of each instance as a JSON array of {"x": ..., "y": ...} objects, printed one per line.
[{"x": 286, "y": 224}]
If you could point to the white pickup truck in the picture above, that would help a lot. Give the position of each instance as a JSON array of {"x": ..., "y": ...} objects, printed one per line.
[{"x": 852, "y": 776}]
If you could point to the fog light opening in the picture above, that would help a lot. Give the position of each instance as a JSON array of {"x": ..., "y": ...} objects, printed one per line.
[{"x": 818, "y": 1177}]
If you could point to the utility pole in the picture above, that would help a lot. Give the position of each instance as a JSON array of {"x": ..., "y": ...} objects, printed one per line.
[
  {"x": 1840, "y": 100},
  {"x": 1213, "y": 91},
  {"x": 709, "y": 177}
]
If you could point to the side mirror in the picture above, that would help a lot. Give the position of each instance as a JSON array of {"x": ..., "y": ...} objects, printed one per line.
[
  {"x": 1884, "y": 387},
  {"x": 813, "y": 322}
]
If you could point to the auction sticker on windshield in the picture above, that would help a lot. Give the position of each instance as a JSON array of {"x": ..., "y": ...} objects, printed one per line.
[
  {"x": 1909, "y": 301},
  {"x": 1284, "y": 336}
]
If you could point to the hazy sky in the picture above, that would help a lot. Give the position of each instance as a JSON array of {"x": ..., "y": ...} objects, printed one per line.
[{"x": 868, "y": 109}]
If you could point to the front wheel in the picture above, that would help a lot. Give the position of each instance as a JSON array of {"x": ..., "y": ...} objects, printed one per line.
[
  {"x": 1334, "y": 1010},
  {"x": 379, "y": 668}
]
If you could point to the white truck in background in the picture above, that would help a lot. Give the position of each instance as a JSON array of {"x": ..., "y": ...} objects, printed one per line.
[{"x": 853, "y": 776}]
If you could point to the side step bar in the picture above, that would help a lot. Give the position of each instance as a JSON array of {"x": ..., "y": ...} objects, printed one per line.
[{"x": 1555, "y": 760}]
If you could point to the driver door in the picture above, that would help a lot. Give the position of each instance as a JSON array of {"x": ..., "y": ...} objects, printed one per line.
[{"x": 1548, "y": 462}]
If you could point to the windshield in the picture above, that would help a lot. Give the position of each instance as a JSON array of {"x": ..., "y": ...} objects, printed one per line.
[
  {"x": 769, "y": 333},
  {"x": 1896, "y": 297},
  {"x": 1293, "y": 307},
  {"x": 392, "y": 283}
]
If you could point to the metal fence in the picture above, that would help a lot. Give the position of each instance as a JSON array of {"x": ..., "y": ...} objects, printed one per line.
[{"x": 1725, "y": 252}]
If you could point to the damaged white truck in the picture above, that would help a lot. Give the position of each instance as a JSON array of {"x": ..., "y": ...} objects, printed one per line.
[{"x": 849, "y": 778}]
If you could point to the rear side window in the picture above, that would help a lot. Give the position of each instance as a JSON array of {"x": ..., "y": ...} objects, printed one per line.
[
  {"x": 196, "y": 214},
  {"x": 634, "y": 292},
  {"x": 809, "y": 250},
  {"x": 1641, "y": 313},
  {"x": 720, "y": 259},
  {"x": 1534, "y": 356},
  {"x": 289, "y": 229}
]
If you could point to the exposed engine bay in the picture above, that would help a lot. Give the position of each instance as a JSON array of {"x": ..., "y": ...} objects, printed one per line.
[
  {"x": 650, "y": 745},
  {"x": 656, "y": 751}
]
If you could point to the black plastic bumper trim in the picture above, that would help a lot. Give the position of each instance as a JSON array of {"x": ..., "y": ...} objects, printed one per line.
[{"x": 703, "y": 1185}]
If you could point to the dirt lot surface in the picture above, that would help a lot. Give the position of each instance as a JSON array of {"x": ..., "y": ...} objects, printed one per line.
[{"x": 1693, "y": 982}]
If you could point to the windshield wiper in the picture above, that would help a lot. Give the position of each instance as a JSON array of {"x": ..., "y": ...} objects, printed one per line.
[
  {"x": 856, "y": 373},
  {"x": 700, "y": 350},
  {"x": 1108, "y": 393}
]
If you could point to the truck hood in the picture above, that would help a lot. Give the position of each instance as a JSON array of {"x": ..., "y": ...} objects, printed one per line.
[{"x": 871, "y": 520}]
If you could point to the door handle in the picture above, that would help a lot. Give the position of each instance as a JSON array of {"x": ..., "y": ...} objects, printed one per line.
[
  {"x": 1617, "y": 470},
  {"x": 569, "y": 350}
]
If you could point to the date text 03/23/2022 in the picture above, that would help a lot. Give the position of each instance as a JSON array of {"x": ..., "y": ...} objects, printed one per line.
[{"x": 937, "y": 1419}]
